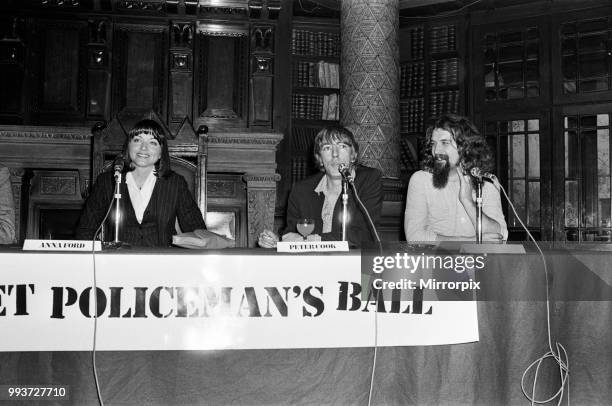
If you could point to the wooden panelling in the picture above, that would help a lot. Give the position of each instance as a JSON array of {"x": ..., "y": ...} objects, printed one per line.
[
  {"x": 182, "y": 40},
  {"x": 139, "y": 69},
  {"x": 12, "y": 54},
  {"x": 57, "y": 62},
  {"x": 262, "y": 76},
  {"x": 222, "y": 76},
  {"x": 261, "y": 95},
  {"x": 98, "y": 69}
]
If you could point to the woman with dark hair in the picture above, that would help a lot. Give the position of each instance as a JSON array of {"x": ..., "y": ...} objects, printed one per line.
[
  {"x": 318, "y": 197},
  {"x": 153, "y": 196}
]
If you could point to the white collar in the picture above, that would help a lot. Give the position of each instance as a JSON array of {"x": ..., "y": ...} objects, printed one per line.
[
  {"x": 140, "y": 197},
  {"x": 323, "y": 185}
]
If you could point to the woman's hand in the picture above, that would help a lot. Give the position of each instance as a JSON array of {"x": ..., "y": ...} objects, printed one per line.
[{"x": 267, "y": 239}]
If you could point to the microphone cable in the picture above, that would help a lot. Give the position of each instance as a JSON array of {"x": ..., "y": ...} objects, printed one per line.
[
  {"x": 560, "y": 356},
  {"x": 95, "y": 289},
  {"x": 373, "y": 227},
  {"x": 367, "y": 213}
]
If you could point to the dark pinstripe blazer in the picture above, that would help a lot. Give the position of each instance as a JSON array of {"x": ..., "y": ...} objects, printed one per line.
[{"x": 170, "y": 200}]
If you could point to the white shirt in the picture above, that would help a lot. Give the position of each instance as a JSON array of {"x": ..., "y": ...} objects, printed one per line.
[
  {"x": 140, "y": 196},
  {"x": 431, "y": 211},
  {"x": 331, "y": 197}
]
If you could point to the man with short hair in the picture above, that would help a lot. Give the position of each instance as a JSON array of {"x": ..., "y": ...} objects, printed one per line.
[
  {"x": 440, "y": 203},
  {"x": 7, "y": 208}
]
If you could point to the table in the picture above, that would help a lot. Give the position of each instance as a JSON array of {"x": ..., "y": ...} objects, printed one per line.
[{"x": 512, "y": 335}]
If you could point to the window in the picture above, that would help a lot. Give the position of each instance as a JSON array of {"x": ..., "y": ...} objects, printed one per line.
[
  {"x": 516, "y": 144},
  {"x": 587, "y": 177}
]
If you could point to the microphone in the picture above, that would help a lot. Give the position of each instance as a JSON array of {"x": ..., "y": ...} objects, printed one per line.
[
  {"x": 345, "y": 171},
  {"x": 478, "y": 173},
  {"x": 118, "y": 165}
]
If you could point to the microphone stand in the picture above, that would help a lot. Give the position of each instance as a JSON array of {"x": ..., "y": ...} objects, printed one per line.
[
  {"x": 479, "y": 211},
  {"x": 344, "y": 206},
  {"x": 117, "y": 197}
]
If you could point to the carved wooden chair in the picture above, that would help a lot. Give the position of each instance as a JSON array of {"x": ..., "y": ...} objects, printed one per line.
[{"x": 188, "y": 151}]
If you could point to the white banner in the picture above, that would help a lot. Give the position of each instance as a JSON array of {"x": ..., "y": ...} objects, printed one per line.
[{"x": 206, "y": 301}]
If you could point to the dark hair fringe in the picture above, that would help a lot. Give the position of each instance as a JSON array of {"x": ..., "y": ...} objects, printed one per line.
[
  {"x": 162, "y": 167},
  {"x": 334, "y": 133}
]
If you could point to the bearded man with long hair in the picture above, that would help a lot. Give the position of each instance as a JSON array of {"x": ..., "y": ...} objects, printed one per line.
[{"x": 440, "y": 203}]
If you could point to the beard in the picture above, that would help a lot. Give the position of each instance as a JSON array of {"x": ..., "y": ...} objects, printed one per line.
[{"x": 441, "y": 170}]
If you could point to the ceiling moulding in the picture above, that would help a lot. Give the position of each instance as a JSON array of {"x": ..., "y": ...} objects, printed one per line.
[
  {"x": 224, "y": 3},
  {"x": 252, "y": 8}
]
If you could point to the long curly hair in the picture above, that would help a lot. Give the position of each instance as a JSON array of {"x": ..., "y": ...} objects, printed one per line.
[{"x": 471, "y": 145}]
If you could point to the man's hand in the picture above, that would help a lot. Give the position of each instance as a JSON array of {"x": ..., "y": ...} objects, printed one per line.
[
  {"x": 293, "y": 237},
  {"x": 267, "y": 239},
  {"x": 465, "y": 187}
]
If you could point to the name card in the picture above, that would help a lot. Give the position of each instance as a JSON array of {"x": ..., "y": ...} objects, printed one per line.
[
  {"x": 61, "y": 245},
  {"x": 312, "y": 246}
]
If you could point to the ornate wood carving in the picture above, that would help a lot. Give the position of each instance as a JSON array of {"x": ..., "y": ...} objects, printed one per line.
[
  {"x": 57, "y": 185},
  {"x": 53, "y": 191},
  {"x": 98, "y": 31},
  {"x": 53, "y": 150},
  {"x": 226, "y": 8},
  {"x": 261, "y": 200},
  {"x": 244, "y": 138},
  {"x": 181, "y": 61},
  {"x": 50, "y": 184},
  {"x": 17, "y": 184},
  {"x": 268, "y": 179},
  {"x": 60, "y": 3},
  {"x": 254, "y": 155},
  {"x": 44, "y": 134},
  {"x": 45, "y": 147},
  {"x": 262, "y": 39},
  {"x": 220, "y": 188},
  {"x": 98, "y": 57},
  {"x": 182, "y": 35},
  {"x": 223, "y": 30},
  {"x": 181, "y": 73},
  {"x": 262, "y": 64},
  {"x": 264, "y": 9},
  {"x": 143, "y": 5},
  {"x": 262, "y": 76}
]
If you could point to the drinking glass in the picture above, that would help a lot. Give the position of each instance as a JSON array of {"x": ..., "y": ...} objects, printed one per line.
[{"x": 305, "y": 227}]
